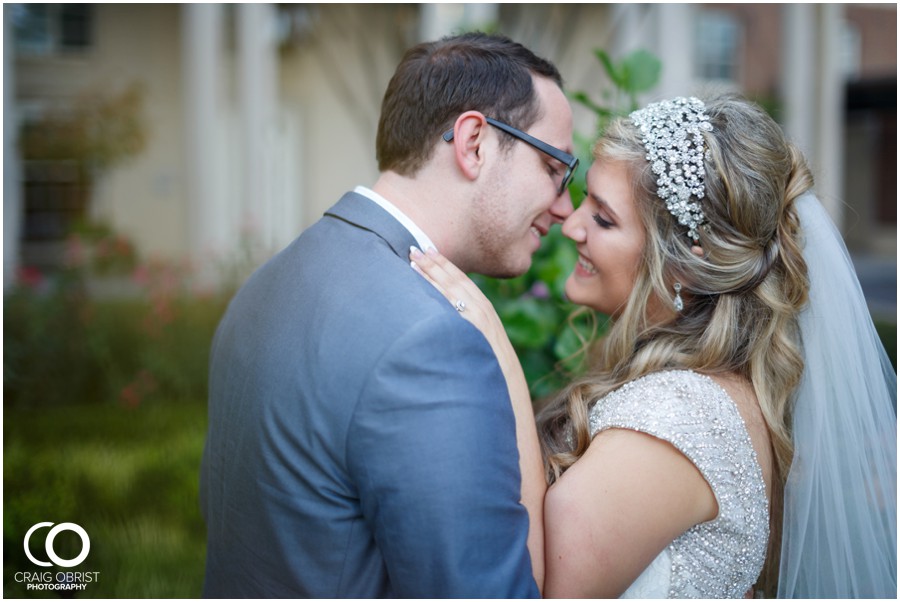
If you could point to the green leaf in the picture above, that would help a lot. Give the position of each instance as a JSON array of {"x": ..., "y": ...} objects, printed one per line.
[
  {"x": 614, "y": 74},
  {"x": 536, "y": 364},
  {"x": 569, "y": 348},
  {"x": 570, "y": 343},
  {"x": 641, "y": 71},
  {"x": 583, "y": 99},
  {"x": 554, "y": 270},
  {"x": 529, "y": 322}
]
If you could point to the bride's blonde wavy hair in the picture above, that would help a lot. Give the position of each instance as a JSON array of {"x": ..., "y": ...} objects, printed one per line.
[{"x": 741, "y": 299}]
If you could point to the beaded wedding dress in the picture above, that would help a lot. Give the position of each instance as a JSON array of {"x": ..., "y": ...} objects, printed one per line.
[{"x": 721, "y": 558}]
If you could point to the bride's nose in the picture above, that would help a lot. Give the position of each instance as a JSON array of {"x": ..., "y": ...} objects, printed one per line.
[{"x": 574, "y": 228}]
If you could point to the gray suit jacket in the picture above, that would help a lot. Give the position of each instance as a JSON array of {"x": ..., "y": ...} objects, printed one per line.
[{"x": 361, "y": 440}]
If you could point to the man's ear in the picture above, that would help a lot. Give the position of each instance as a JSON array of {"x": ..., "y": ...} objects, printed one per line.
[{"x": 468, "y": 139}]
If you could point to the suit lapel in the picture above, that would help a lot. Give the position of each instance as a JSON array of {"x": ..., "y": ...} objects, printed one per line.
[{"x": 361, "y": 212}]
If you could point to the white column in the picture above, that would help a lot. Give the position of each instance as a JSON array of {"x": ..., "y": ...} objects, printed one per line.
[
  {"x": 812, "y": 85},
  {"x": 830, "y": 123},
  {"x": 628, "y": 34},
  {"x": 798, "y": 77},
  {"x": 481, "y": 15},
  {"x": 675, "y": 34},
  {"x": 202, "y": 41},
  {"x": 257, "y": 98},
  {"x": 12, "y": 192},
  {"x": 439, "y": 20}
]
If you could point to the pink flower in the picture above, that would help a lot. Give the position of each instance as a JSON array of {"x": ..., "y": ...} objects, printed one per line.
[
  {"x": 540, "y": 290},
  {"x": 130, "y": 397},
  {"x": 138, "y": 389},
  {"x": 30, "y": 276},
  {"x": 141, "y": 275}
]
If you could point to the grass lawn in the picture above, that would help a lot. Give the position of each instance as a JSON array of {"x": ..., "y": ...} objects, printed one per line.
[{"x": 129, "y": 477}]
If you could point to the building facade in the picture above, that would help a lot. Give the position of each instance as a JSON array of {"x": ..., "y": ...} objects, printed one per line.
[{"x": 192, "y": 129}]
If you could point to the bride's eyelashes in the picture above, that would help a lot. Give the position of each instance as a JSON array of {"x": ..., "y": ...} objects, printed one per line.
[
  {"x": 600, "y": 221},
  {"x": 605, "y": 224}
]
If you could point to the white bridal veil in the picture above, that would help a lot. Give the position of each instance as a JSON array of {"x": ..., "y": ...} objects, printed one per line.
[{"x": 840, "y": 515}]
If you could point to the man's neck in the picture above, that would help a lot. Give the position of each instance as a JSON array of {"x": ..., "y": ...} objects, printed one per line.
[{"x": 423, "y": 204}]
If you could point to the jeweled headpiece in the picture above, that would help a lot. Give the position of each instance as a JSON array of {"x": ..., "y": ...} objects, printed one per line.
[{"x": 670, "y": 131}]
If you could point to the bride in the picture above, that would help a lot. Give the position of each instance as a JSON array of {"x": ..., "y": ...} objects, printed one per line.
[{"x": 735, "y": 433}]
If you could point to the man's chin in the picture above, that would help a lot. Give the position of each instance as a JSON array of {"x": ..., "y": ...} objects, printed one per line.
[{"x": 509, "y": 269}]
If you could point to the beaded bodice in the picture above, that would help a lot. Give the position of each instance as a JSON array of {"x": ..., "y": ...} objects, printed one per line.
[{"x": 721, "y": 558}]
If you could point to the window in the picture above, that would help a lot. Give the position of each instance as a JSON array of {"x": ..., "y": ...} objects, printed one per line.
[
  {"x": 43, "y": 29},
  {"x": 56, "y": 197},
  {"x": 717, "y": 39}
]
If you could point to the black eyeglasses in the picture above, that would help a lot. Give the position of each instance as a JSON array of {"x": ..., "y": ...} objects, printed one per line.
[{"x": 563, "y": 157}]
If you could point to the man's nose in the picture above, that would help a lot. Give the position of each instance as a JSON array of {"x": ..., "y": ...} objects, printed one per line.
[{"x": 562, "y": 207}]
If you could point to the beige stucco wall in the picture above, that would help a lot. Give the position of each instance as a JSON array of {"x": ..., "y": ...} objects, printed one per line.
[
  {"x": 333, "y": 78},
  {"x": 145, "y": 197},
  {"x": 331, "y": 75},
  {"x": 133, "y": 44}
]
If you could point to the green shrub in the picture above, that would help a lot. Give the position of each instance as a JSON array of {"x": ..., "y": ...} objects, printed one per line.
[
  {"x": 64, "y": 346},
  {"x": 887, "y": 331}
]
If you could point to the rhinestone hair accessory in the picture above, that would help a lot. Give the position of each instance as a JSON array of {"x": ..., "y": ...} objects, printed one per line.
[{"x": 671, "y": 133}]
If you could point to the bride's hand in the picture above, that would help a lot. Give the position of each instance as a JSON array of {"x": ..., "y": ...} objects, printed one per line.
[{"x": 460, "y": 291}]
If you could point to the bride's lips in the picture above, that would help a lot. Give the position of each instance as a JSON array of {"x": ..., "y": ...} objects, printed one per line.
[{"x": 584, "y": 268}]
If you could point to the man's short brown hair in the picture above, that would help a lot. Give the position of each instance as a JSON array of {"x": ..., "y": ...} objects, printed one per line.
[{"x": 437, "y": 81}]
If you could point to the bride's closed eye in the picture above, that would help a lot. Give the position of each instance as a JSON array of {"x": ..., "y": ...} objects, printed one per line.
[{"x": 605, "y": 224}]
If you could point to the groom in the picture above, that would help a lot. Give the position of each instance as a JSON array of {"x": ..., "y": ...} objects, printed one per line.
[{"x": 361, "y": 440}]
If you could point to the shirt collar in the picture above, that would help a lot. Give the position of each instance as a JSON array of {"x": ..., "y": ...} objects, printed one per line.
[{"x": 420, "y": 236}]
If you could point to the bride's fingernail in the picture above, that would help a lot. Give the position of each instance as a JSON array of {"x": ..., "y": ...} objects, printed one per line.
[
  {"x": 415, "y": 253},
  {"x": 431, "y": 251}
]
